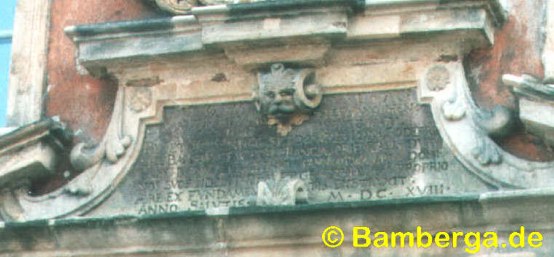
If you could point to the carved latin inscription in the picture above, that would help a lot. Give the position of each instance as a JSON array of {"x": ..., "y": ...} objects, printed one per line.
[{"x": 357, "y": 148}]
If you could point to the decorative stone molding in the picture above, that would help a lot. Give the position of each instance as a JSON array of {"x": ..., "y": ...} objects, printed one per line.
[
  {"x": 286, "y": 96},
  {"x": 467, "y": 130},
  {"x": 486, "y": 123},
  {"x": 437, "y": 78},
  {"x": 454, "y": 109},
  {"x": 112, "y": 147},
  {"x": 491, "y": 123},
  {"x": 101, "y": 166},
  {"x": 530, "y": 87},
  {"x": 140, "y": 98},
  {"x": 29, "y": 153},
  {"x": 281, "y": 191}
]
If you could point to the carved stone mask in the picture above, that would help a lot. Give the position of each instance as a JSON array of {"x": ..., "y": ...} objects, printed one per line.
[
  {"x": 176, "y": 6},
  {"x": 287, "y": 96}
]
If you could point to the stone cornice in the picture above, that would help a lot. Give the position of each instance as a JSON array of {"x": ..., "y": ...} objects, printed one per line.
[
  {"x": 208, "y": 234},
  {"x": 221, "y": 27}
]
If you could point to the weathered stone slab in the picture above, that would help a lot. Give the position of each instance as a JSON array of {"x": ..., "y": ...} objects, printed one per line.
[
  {"x": 270, "y": 29},
  {"x": 357, "y": 147}
]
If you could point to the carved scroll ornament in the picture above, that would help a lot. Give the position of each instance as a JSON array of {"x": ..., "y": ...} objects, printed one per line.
[
  {"x": 102, "y": 165},
  {"x": 468, "y": 132}
]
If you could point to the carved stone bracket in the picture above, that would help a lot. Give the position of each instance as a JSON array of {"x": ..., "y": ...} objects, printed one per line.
[
  {"x": 101, "y": 167},
  {"x": 29, "y": 153},
  {"x": 467, "y": 131},
  {"x": 84, "y": 156},
  {"x": 486, "y": 123},
  {"x": 287, "y": 97}
]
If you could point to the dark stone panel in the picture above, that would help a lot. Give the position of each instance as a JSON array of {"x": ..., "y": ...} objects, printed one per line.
[{"x": 355, "y": 147}]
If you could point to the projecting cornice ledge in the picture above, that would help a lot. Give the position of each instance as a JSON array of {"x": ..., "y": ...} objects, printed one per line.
[
  {"x": 241, "y": 28},
  {"x": 26, "y": 154},
  {"x": 31, "y": 151}
]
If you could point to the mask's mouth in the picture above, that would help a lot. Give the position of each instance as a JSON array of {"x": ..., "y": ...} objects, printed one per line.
[{"x": 281, "y": 109}]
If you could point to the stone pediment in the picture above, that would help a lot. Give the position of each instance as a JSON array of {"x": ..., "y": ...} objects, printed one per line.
[{"x": 289, "y": 103}]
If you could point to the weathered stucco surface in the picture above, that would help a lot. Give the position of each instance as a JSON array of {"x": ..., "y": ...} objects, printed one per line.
[
  {"x": 83, "y": 102},
  {"x": 517, "y": 50}
]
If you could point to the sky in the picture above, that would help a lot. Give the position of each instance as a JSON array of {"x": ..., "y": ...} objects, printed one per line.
[{"x": 7, "y": 9}]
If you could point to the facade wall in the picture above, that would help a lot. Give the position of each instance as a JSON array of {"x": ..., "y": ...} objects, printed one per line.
[
  {"x": 86, "y": 105},
  {"x": 177, "y": 150},
  {"x": 517, "y": 49},
  {"x": 82, "y": 101}
]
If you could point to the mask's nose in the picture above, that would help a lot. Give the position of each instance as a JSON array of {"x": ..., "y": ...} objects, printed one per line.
[{"x": 278, "y": 99}]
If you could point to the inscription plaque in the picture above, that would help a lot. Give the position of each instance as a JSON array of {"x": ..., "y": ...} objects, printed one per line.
[{"x": 358, "y": 147}]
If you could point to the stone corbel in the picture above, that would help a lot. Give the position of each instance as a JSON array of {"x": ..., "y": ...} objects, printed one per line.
[
  {"x": 467, "y": 130},
  {"x": 112, "y": 147},
  {"x": 101, "y": 165},
  {"x": 26, "y": 154},
  {"x": 85, "y": 157}
]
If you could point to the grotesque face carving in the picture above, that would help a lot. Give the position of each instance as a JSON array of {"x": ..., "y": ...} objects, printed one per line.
[
  {"x": 176, "y": 6},
  {"x": 277, "y": 92},
  {"x": 287, "y": 96}
]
